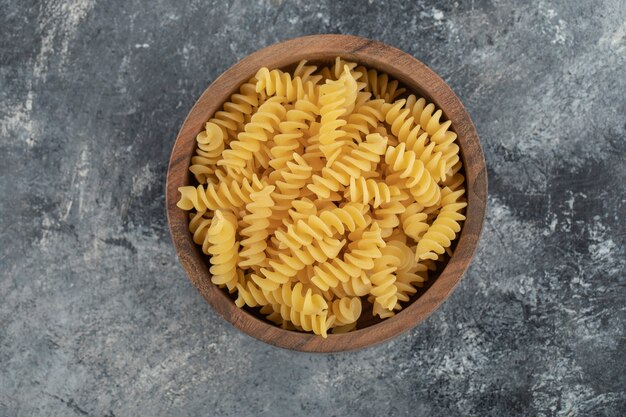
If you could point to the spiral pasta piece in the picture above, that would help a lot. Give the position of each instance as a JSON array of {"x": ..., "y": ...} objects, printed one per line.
[
  {"x": 442, "y": 232},
  {"x": 429, "y": 119},
  {"x": 199, "y": 226},
  {"x": 312, "y": 153},
  {"x": 383, "y": 279},
  {"x": 346, "y": 310},
  {"x": 223, "y": 249},
  {"x": 365, "y": 120},
  {"x": 281, "y": 270},
  {"x": 298, "y": 298},
  {"x": 362, "y": 97},
  {"x": 414, "y": 221},
  {"x": 316, "y": 227},
  {"x": 419, "y": 181},
  {"x": 301, "y": 210},
  {"x": 249, "y": 294},
  {"x": 235, "y": 112},
  {"x": 356, "y": 287},
  {"x": 364, "y": 191},
  {"x": 263, "y": 124},
  {"x": 336, "y": 99},
  {"x": 352, "y": 89},
  {"x": 400, "y": 120},
  {"x": 316, "y": 323},
  {"x": 210, "y": 146},
  {"x": 380, "y": 311},
  {"x": 331, "y": 109},
  {"x": 439, "y": 133},
  {"x": 403, "y": 126},
  {"x": 349, "y": 166},
  {"x": 292, "y": 129},
  {"x": 407, "y": 283},
  {"x": 307, "y": 72},
  {"x": 408, "y": 274},
  {"x": 404, "y": 255},
  {"x": 229, "y": 175},
  {"x": 386, "y": 216},
  {"x": 256, "y": 233},
  {"x": 339, "y": 68},
  {"x": 435, "y": 162},
  {"x": 360, "y": 257},
  {"x": 289, "y": 182},
  {"x": 281, "y": 84},
  {"x": 231, "y": 196},
  {"x": 381, "y": 87},
  {"x": 454, "y": 179}
]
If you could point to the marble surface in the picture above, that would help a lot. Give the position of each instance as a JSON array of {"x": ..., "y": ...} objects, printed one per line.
[{"x": 98, "y": 319}]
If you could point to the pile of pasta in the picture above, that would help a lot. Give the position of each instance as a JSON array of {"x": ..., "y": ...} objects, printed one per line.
[{"x": 324, "y": 192}]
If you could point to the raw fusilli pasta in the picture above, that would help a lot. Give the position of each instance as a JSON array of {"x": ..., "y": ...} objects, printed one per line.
[
  {"x": 223, "y": 248},
  {"x": 325, "y": 192}
]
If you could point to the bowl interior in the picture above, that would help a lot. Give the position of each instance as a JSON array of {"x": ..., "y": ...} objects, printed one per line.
[{"x": 322, "y": 50}]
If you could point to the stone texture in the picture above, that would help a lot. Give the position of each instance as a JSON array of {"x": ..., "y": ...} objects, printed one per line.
[{"x": 97, "y": 317}]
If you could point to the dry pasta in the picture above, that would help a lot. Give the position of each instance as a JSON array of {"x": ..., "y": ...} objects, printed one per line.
[{"x": 324, "y": 194}]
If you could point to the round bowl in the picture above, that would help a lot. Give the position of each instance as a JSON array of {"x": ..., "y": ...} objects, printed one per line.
[{"x": 417, "y": 78}]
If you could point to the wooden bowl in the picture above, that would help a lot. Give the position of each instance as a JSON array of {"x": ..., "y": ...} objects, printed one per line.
[{"x": 417, "y": 78}]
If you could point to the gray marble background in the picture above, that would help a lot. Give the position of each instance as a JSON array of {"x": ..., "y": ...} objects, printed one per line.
[{"x": 98, "y": 319}]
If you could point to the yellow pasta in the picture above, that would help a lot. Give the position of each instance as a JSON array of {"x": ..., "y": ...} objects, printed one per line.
[
  {"x": 289, "y": 181},
  {"x": 238, "y": 110},
  {"x": 362, "y": 252},
  {"x": 223, "y": 249},
  {"x": 359, "y": 286},
  {"x": 381, "y": 86},
  {"x": 327, "y": 224},
  {"x": 281, "y": 84},
  {"x": 225, "y": 195},
  {"x": 386, "y": 216},
  {"x": 365, "y": 119},
  {"x": 209, "y": 151},
  {"x": 292, "y": 130},
  {"x": 414, "y": 221},
  {"x": 443, "y": 231},
  {"x": 337, "y": 99},
  {"x": 324, "y": 192},
  {"x": 260, "y": 128},
  {"x": 346, "y": 310},
  {"x": 350, "y": 165},
  {"x": 385, "y": 291},
  {"x": 256, "y": 224},
  {"x": 369, "y": 190},
  {"x": 418, "y": 180},
  {"x": 299, "y": 298}
]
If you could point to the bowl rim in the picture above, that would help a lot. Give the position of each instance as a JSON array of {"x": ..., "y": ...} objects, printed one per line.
[{"x": 418, "y": 78}]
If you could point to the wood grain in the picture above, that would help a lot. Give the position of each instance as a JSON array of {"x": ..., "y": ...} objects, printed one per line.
[{"x": 417, "y": 78}]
